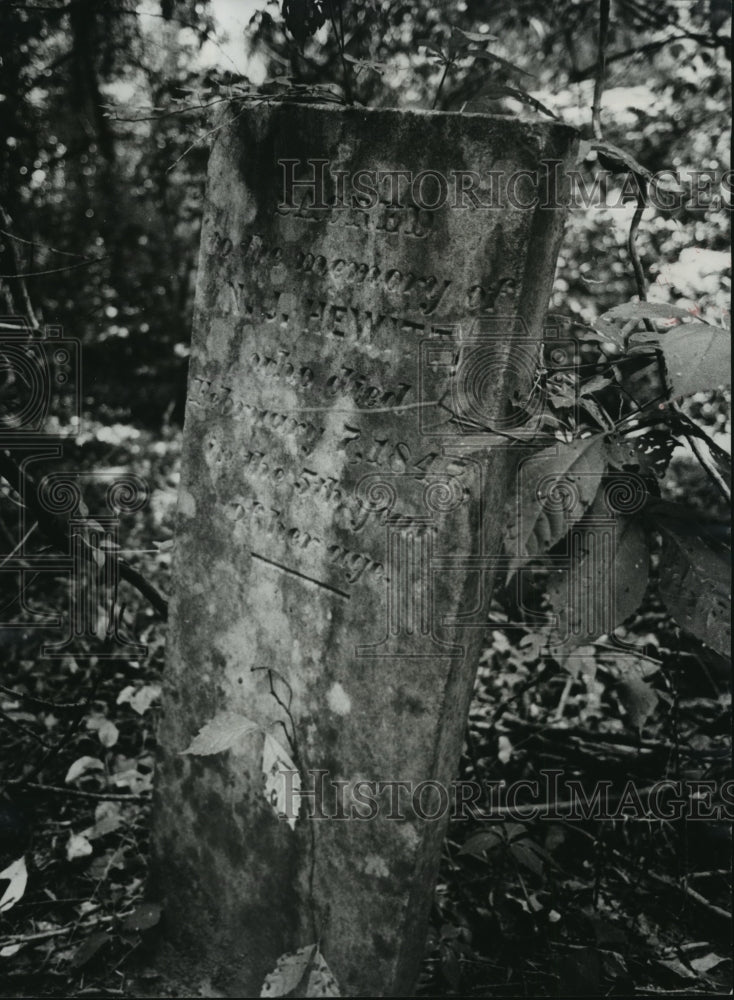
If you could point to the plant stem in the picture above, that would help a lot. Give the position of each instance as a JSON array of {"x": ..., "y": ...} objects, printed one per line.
[
  {"x": 601, "y": 57},
  {"x": 340, "y": 44},
  {"x": 440, "y": 84}
]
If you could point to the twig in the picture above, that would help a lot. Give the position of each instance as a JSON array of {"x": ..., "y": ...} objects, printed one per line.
[
  {"x": 175, "y": 111},
  {"x": 20, "y": 544},
  {"x": 144, "y": 587},
  {"x": 687, "y": 426},
  {"x": 81, "y": 709},
  {"x": 601, "y": 56},
  {"x": 577, "y": 75},
  {"x": 340, "y": 45},
  {"x": 50, "y": 270},
  {"x": 202, "y": 138},
  {"x": 441, "y": 83},
  {"x": 632, "y": 245},
  {"x": 705, "y": 462},
  {"x": 42, "y": 246},
  {"x": 533, "y": 682},
  {"x": 56, "y": 932},
  {"x": 78, "y": 793},
  {"x": 41, "y": 702},
  {"x": 35, "y": 325},
  {"x": 663, "y": 880},
  {"x": 24, "y": 729}
]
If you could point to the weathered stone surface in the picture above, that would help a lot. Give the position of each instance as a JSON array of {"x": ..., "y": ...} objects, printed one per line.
[{"x": 340, "y": 473}]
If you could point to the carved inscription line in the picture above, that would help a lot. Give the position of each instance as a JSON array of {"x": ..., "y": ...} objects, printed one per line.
[{"x": 302, "y": 576}]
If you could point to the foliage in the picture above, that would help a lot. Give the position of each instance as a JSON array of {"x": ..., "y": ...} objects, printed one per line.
[{"x": 104, "y": 125}]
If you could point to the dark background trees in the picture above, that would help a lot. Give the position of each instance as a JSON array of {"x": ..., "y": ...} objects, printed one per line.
[{"x": 103, "y": 133}]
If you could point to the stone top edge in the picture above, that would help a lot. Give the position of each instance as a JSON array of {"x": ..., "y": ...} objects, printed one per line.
[{"x": 335, "y": 109}]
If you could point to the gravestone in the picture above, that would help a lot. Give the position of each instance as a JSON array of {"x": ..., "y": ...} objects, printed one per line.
[{"x": 371, "y": 291}]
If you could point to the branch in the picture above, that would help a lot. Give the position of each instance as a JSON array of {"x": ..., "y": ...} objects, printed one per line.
[
  {"x": 42, "y": 702},
  {"x": 340, "y": 45},
  {"x": 688, "y": 426},
  {"x": 640, "y": 280},
  {"x": 17, "y": 275},
  {"x": 662, "y": 879},
  {"x": 601, "y": 56},
  {"x": 704, "y": 460},
  {"x": 24, "y": 729},
  {"x": 96, "y": 796}
]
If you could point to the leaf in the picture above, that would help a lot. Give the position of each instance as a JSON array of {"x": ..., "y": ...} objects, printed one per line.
[
  {"x": 584, "y": 149},
  {"x": 487, "y": 840},
  {"x": 276, "y": 760},
  {"x": 303, "y": 973},
  {"x": 645, "y": 310},
  {"x": 16, "y": 875},
  {"x": 653, "y": 451},
  {"x": 132, "y": 779},
  {"x": 143, "y": 917},
  {"x": 642, "y": 453},
  {"x": 82, "y": 766},
  {"x": 103, "y": 826},
  {"x": 619, "y": 161},
  {"x": 697, "y": 357},
  {"x": 224, "y": 731},
  {"x": 504, "y": 753},
  {"x": 528, "y": 854},
  {"x": 695, "y": 585},
  {"x": 706, "y": 962},
  {"x": 493, "y": 90},
  {"x": 141, "y": 699},
  {"x": 374, "y": 67},
  {"x": 108, "y": 733},
  {"x": 78, "y": 847},
  {"x": 89, "y": 948},
  {"x": 639, "y": 698},
  {"x": 558, "y": 485},
  {"x": 476, "y": 36},
  {"x": 508, "y": 67},
  {"x": 107, "y": 819},
  {"x": 606, "y": 581},
  {"x": 303, "y": 18}
]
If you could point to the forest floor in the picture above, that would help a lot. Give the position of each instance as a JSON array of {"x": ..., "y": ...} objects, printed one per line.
[{"x": 540, "y": 907}]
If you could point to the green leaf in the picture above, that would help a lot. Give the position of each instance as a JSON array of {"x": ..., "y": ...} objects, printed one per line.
[
  {"x": 558, "y": 485},
  {"x": 224, "y": 731},
  {"x": 606, "y": 581},
  {"x": 695, "y": 585},
  {"x": 697, "y": 357}
]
